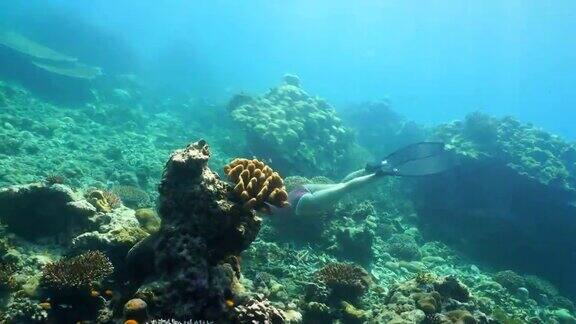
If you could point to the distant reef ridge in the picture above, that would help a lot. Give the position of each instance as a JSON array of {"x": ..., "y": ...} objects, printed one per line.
[{"x": 46, "y": 58}]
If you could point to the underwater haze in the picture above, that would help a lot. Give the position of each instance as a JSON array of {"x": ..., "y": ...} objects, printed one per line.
[
  {"x": 287, "y": 162},
  {"x": 435, "y": 60}
]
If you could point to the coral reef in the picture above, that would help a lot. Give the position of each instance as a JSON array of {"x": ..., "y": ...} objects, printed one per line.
[
  {"x": 103, "y": 200},
  {"x": 256, "y": 184},
  {"x": 301, "y": 134},
  {"x": 7, "y": 271},
  {"x": 132, "y": 196},
  {"x": 203, "y": 228},
  {"x": 509, "y": 280},
  {"x": 412, "y": 302},
  {"x": 212, "y": 260},
  {"x": 78, "y": 272},
  {"x": 23, "y": 310},
  {"x": 345, "y": 281},
  {"x": 525, "y": 184},
  {"x": 529, "y": 151},
  {"x": 26, "y": 209},
  {"x": 115, "y": 232},
  {"x": 258, "y": 310},
  {"x": 403, "y": 247}
]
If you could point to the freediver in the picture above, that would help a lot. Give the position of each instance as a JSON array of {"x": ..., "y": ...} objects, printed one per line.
[{"x": 419, "y": 159}]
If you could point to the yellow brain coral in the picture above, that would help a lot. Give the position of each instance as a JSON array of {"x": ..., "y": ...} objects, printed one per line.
[{"x": 256, "y": 183}]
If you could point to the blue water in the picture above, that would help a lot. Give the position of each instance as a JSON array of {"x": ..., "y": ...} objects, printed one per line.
[{"x": 434, "y": 60}]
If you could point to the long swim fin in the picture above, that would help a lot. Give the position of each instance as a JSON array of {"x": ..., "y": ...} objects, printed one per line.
[{"x": 419, "y": 159}]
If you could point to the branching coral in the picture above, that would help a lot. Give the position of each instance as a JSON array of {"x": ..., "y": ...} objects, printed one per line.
[
  {"x": 7, "y": 271},
  {"x": 104, "y": 201},
  {"x": 77, "y": 272},
  {"x": 346, "y": 281},
  {"x": 256, "y": 183}
]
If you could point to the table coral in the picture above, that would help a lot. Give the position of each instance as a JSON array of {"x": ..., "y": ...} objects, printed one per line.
[
  {"x": 299, "y": 133},
  {"x": 256, "y": 184}
]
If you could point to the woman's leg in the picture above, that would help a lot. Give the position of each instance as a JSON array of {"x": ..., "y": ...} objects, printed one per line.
[
  {"x": 324, "y": 199},
  {"x": 313, "y": 187},
  {"x": 355, "y": 174}
]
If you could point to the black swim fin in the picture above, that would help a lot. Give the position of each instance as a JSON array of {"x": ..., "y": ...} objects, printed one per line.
[{"x": 419, "y": 159}]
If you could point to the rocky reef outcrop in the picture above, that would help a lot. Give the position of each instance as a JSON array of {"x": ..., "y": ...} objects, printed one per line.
[
  {"x": 301, "y": 134},
  {"x": 59, "y": 247},
  {"x": 45, "y": 212},
  {"x": 510, "y": 202},
  {"x": 195, "y": 268}
]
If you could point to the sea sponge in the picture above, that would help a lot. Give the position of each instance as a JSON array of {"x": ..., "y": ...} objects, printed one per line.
[
  {"x": 136, "y": 309},
  {"x": 77, "y": 272},
  {"x": 346, "y": 281},
  {"x": 148, "y": 219},
  {"x": 256, "y": 184}
]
